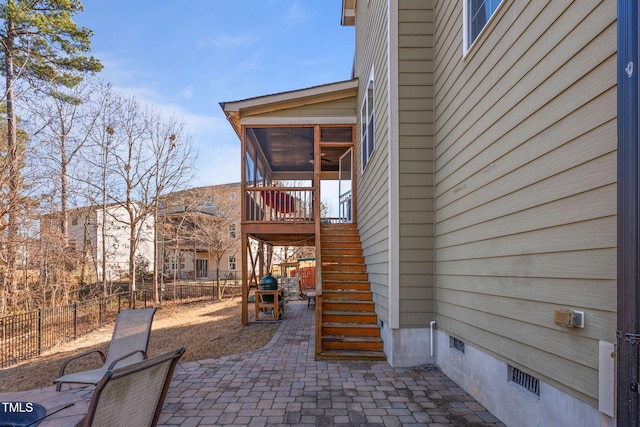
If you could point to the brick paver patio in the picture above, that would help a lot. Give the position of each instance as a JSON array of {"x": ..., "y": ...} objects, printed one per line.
[{"x": 281, "y": 384}]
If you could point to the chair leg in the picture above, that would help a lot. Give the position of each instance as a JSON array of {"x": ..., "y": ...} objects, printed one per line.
[{"x": 311, "y": 299}]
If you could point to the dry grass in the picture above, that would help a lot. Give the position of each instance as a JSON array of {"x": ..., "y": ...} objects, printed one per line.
[{"x": 207, "y": 330}]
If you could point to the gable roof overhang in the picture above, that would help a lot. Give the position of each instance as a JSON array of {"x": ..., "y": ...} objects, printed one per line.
[
  {"x": 249, "y": 111},
  {"x": 279, "y": 129}
]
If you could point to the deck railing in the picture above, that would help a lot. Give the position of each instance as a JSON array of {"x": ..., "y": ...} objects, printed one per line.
[
  {"x": 346, "y": 202},
  {"x": 269, "y": 204}
]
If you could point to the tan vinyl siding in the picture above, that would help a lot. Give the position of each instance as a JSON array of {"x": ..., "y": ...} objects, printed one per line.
[
  {"x": 373, "y": 188},
  {"x": 525, "y": 196},
  {"x": 415, "y": 92}
]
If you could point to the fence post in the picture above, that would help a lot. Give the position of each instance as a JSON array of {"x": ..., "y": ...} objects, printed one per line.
[
  {"x": 39, "y": 331},
  {"x": 75, "y": 320},
  {"x": 119, "y": 302}
]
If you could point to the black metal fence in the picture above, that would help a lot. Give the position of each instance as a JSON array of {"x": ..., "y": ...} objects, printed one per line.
[{"x": 25, "y": 335}]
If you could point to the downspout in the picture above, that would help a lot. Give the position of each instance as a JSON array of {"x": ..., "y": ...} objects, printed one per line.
[
  {"x": 432, "y": 325},
  {"x": 628, "y": 328}
]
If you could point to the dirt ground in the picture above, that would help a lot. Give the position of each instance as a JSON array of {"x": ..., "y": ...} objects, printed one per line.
[{"x": 207, "y": 330}]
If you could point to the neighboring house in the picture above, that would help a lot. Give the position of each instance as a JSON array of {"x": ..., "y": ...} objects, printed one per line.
[
  {"x": 206, "y": 244},
  {"x": 199, "y": 233},
  {"x": 86, "y": 226},
  {"x": 485, "y": 181}
]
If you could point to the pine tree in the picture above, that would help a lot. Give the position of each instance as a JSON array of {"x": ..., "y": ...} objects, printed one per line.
[{"x": 41, "y": 44}]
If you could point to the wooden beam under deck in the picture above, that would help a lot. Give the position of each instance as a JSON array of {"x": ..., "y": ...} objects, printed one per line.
[{"x": 282, "y": 234}]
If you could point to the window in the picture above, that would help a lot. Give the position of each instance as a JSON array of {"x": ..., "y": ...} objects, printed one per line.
[
  {"x": 232, "y": 231},
  {"x": 367, "y": 135},
  {"x": 173, "y": 265},
  {"x": 232, "y": 262},
  {"x": 476, "y": 15},
  {"x": 74, "y": 220}
]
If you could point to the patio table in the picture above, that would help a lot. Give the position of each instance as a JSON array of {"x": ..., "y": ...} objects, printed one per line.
[{"x": 70, "y": 407}]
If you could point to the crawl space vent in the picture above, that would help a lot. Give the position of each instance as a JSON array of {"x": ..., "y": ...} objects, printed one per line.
[
  {"x": 457, "y": 344},
  {"x": 525, "y": 380}
]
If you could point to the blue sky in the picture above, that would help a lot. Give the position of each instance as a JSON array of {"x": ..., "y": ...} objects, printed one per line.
[{"x": 185, "y": 57}]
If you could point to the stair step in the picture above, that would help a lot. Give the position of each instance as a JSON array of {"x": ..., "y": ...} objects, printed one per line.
[
  {"x": 344, "y": 276},
  {"x": 350, "y": 329},
  {"x": 341, "y": 235},
  {"x": 349, "y": 259},
  {"x": 330, "y": 267},
  {"x": 341, "y": 252},
  {"x": 349, "y": 326},
  {"x": 332, "y": 227},
  {"x": 352, "y": 343},
  {"x": 341, "y": 285},
  {"x": 348, "y": 295},
  {"x": 346, "y": 305},
  {"x": 349, "y": 316},
  {"x": 350, "y": 244},
  {"x": 352, "y": 355}
]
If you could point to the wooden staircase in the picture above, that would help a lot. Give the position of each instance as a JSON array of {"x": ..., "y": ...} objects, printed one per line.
[{"x": 348, "y": 323}]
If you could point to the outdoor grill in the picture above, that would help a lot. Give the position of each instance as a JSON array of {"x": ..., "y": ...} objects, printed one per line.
[{"x": 268, "y": 283}]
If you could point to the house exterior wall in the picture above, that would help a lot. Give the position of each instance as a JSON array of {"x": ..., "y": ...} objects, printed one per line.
[
  {"x": 394, "y": 43},
  {"x": 118, "y": 244},
  {"x": 416, "y": 138},
  {"x": 525, "y": 199},
  {"x": 117, "y": 239},
  {"x": 192, "y": 205},
  {"x": 373, "y": 182}
]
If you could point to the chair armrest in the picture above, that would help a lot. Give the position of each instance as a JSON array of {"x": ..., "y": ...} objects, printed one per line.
[
  {"x": 115, "y": 362},
  {"x": 66, "y": 362}
]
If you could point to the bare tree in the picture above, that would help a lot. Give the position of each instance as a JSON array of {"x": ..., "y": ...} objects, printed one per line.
[
  {"x": 204, "y": 219},
  {"x": 173, "y": 169},
  {"x": 98, "y": 182},
  {"x": 141, "y": 155},
  {"x": 218, "y": 231},
  {"x": 62, "y": 119},
  {"x": 65, "y": 120}
]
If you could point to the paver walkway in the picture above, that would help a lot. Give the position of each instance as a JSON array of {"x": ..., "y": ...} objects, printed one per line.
[{"x": 281, "y": 384}]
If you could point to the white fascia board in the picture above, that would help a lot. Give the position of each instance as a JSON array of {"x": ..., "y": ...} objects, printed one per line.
[
  {"x": 291, "y": 96},
  {"x": 283, "y": 121}
]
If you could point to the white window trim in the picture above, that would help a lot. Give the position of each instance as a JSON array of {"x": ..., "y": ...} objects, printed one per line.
[
  {"x": 364, "y": 106},
  {"x": 465, "y": 25}
]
